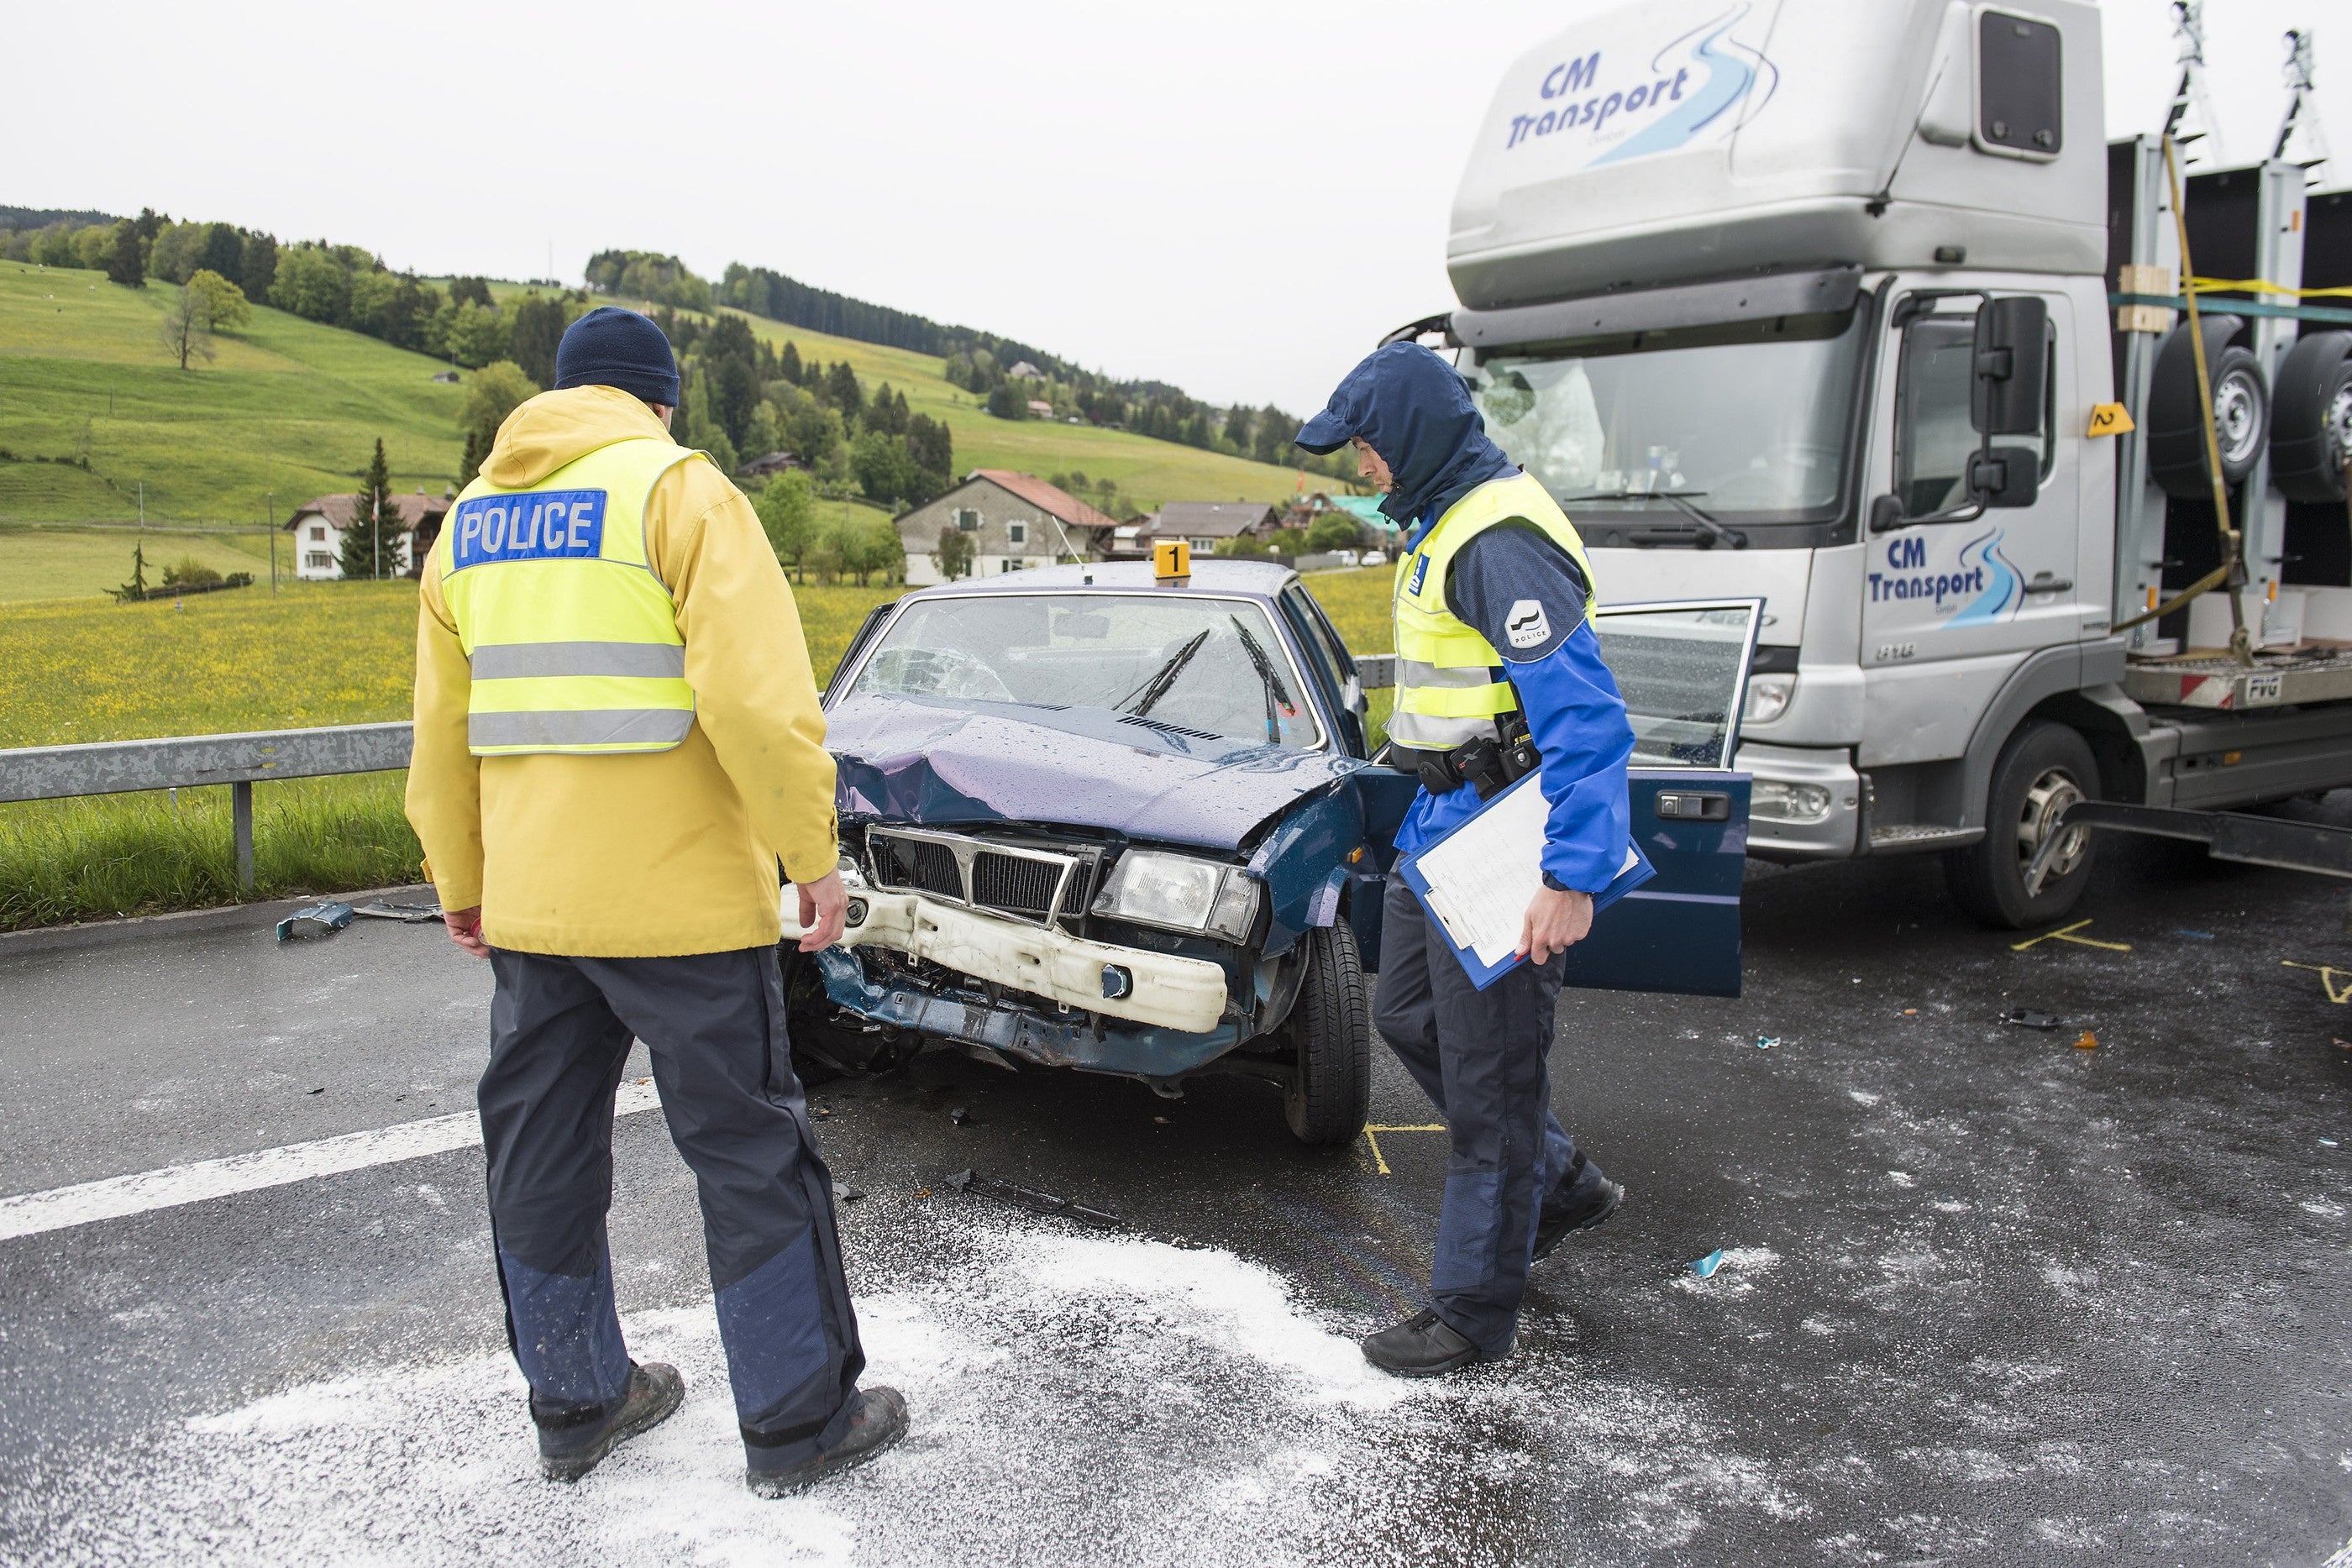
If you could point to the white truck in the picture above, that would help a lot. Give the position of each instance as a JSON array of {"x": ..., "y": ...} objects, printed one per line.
[{"x": 1851, "y": 307}]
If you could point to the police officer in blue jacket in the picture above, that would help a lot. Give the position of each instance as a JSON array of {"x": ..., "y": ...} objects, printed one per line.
[{"x": 1498, "y": 672}]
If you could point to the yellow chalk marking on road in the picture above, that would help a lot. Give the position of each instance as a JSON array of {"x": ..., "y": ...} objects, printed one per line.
[
  {"x": 2337, "y": 981},
  {"x": 2066, "y": 934},
  {"x": 1382, "y": 1160}
]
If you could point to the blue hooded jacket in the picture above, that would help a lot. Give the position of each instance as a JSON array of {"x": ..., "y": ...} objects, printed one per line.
[{"x": 1415, "y": 411}]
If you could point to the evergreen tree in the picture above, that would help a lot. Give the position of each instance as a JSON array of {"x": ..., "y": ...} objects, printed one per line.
[
  {"x": 791, "y": 362},
  {"x": 127, "y": 267},
  {"x": 478, "y": 448},
  {"x": 842, "y": 391},
  {"x": 1237, "y": 427},
  {"x": 260, "y": 266},
  {"x": 371, "y": 543}
]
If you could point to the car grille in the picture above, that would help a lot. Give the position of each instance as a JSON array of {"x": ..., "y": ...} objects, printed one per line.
[{"x": 1006, "y": 879}]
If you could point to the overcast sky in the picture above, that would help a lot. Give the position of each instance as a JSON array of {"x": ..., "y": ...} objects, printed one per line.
[{"x": 1239, "y": 198}]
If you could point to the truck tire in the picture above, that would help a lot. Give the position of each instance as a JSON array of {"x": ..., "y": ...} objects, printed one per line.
[
  {"x": 2176, "y": 425},
  {"x": 2311, "y": 422},
  {"x": 2044, "y": 768},
  {"x": 1330, "y": 1089}
]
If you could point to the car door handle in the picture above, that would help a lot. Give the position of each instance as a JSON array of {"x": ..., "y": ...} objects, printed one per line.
[
  {"x": 2050, "y": 585},
  {"x": 1693, "y": 806}
]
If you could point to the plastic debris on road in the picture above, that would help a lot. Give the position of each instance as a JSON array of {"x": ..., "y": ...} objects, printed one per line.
[
  {"x": 1704, "y": 1267},
  {"x": 1767, "y": 1041},
  {"x": 316, "y": 920},
  {"x": 961, "y": 1116},
  {"x": 2087, "y": 1041},
  {"x": 1030, "y": 1199},
  {"x": 846, "y": 1194},
  {"x": 2026, "y": 1017},
  {"x": 406, "y": 913},
  {"x": 2195, "y": 935}
]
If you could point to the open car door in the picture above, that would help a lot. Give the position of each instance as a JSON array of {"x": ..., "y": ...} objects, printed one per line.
[{"x": 1683, "y": 668}]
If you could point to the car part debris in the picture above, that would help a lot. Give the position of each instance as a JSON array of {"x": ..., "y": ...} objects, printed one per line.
[
  {"x": 2026, "y": 1017},
  {"x": 316, "y": 920},
  {"x": 1704, "y": 1267},
  {"x": 1030, "y": 1199},
  {"x": 961, "y": 1116},
  {"x": 1767, "y": 1041},
  {"x": 2087, "y": 1041},
  {"x": 846, "y": 1194},
  {"x": 406, "y": 913}
]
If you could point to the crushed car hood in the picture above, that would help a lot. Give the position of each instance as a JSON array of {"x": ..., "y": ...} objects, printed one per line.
[{"x": 910, "y": 759}]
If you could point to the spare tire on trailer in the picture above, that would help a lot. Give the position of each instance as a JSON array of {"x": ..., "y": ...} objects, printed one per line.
[
  {"x": 2311, "y": 418},
  {"x": 2176, "y": 424}
]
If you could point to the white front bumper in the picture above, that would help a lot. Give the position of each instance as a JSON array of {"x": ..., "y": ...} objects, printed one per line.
[{"x": 1187, "y": 994}]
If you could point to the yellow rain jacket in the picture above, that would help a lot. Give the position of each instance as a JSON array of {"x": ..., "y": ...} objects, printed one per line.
[{"x": 645, "y": 855}]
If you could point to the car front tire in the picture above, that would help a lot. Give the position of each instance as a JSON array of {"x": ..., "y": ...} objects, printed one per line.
[
  {"x": 1330, "y": 1090},
  {"x": 2044, "y": 768}
]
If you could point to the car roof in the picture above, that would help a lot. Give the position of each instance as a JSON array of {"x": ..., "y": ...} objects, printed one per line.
[{"x": 1256, "y": 578}]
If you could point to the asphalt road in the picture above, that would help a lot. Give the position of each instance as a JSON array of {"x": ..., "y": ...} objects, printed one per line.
[{"x": 1989, "y": 1297}]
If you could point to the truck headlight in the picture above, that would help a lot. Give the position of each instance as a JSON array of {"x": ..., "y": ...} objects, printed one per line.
[
  {"x": 1180, "y": 892},
  {"x": 1767, "y": 698},
  {"x": 1781, "y": 802}
]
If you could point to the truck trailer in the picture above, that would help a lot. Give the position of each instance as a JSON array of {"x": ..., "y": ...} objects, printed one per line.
[{"x": 1853, "y": 309}]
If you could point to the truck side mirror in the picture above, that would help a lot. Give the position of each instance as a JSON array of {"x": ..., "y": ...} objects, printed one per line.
[
  {"x": 2004, "y": 476},
  {"x": 2013, "y": 360}
]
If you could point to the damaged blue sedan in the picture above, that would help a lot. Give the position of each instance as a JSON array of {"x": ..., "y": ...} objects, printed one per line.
[{"x": 1097, "y": 819}]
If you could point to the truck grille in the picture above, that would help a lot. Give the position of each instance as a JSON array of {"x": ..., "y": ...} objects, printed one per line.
[{"x": 1004, "y": 879}]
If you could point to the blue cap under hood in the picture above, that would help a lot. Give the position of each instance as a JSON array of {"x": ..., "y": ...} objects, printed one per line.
[{"x": 1413, "y": 409}]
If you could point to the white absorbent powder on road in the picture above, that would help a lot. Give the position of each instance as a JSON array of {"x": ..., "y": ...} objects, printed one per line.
[{"x": 1075, "y": 1398}]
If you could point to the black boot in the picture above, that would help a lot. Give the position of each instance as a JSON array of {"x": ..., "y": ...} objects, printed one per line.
[
  {"x": 569, "y": 1451},
  {"x": 1423, "y": 1345},
  {"x": 880, "y": 1421},
  {"x": 1553, "y": 1228}
]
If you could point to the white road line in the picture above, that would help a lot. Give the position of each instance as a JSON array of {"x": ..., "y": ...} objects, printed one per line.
[{"x": 61, "y": 1208}]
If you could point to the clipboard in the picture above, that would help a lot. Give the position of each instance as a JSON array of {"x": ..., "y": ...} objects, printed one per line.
[{"x": 1465, "y": 895}]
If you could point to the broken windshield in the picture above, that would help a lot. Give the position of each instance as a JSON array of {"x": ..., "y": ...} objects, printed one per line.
[
  {"x": 1185, "y": 664},
  {"x": 1753, "y": 417}
]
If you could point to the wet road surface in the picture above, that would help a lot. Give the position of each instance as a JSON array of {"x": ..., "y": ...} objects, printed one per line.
[{"x": 1988, "y": 1297}]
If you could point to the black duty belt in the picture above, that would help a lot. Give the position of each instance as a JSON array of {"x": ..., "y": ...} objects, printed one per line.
[{"x": 1492, "y": 763}]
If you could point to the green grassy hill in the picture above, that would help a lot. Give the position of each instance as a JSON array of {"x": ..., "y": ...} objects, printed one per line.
[{"x": 99, "y": 424}]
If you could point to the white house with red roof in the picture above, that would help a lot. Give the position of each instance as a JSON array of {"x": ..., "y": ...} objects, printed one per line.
[{"x": 1011, "y": 519}]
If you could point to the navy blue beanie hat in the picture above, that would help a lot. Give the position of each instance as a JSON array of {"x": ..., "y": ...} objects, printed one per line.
[{"x": 610, "y": 347}]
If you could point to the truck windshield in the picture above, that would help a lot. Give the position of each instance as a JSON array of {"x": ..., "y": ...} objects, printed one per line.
[
  {"x": 1750, "y": 420},
  {"x": 1183, "y": 664}
]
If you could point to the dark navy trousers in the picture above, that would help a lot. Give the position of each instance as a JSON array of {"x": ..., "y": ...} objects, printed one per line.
[
  {"x": 714, "y": 1023},
  {"x": 1482, "y": 1058}
]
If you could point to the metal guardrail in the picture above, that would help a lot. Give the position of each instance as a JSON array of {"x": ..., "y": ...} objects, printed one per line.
[
  {"x": 240, "y": 761},
  {"x": 187, "y": 761}
]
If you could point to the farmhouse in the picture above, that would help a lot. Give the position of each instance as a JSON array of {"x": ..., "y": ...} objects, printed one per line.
[
  {"x": 317, "y": 527},
  {"x": 1011, "y": 519},
  {"x": 1208, "y": 524},
  {"x": 769, "y": 464}
]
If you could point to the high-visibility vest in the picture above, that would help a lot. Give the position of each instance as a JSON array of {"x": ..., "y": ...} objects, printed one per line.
[
  {"x": 1449, "y": 679},
  {"x": 573, "y": 639}
]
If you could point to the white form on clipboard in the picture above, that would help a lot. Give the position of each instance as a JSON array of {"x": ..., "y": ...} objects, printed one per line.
[{"x": 1481, "y": 877}]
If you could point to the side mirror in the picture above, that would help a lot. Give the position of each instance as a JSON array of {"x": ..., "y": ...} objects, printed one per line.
[
  {"x": 2013, "y": 361},
  {"x": 1886, "y": 514},
  {"x": 2004, "y": 476}
]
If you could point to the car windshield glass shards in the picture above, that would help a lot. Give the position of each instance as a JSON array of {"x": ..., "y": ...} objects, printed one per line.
[{"x": 1211, "y": 667}]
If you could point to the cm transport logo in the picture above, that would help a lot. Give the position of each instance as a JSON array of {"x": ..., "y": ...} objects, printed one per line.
[
  {"x": 1980, "y": 585},
  {"x": 1612, "y": 105}
]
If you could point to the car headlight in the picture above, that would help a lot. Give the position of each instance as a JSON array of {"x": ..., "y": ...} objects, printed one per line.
[
  {"x": 1180, "y": 892},
  {"x": 1767, "y": 698},
  {"x": 1780, "y": 802}
]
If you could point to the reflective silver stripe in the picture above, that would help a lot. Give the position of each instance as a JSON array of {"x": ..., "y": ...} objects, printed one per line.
[
  {"x": 513, "y": 661},
  {"x": 1413, "y": 673},
  {"x": 1431, "y": 732},
  {"x": 646, "y": 727}
]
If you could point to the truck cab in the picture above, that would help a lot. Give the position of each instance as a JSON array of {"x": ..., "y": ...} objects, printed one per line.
[{"x": 1812, "y": 303}]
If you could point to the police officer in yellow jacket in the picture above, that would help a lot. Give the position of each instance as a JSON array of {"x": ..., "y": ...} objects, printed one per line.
[{"x": 617, "y": 740}]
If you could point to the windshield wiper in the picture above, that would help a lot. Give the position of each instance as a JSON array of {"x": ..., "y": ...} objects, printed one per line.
[
  {"x": 1277, "y": 695},
  {"x": 1148, "y": 695},
  {"x": 1711, "y": 531}
]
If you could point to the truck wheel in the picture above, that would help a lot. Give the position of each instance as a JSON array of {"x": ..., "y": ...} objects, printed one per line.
[
  {"x": 2044, "y": 769},
  {"x": 2176, "y": 428},
  {"x": 1330, "y": 1090},
  {"x": 2311, "y": 428}
]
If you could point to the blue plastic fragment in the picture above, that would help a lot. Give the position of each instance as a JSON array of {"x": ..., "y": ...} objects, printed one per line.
[
  {"x": 1704, "y": 1267},
  {"x": 1767, "y": 1041},
  {"x": 316, "y": 920},
  {"x": 2194, "y": 935}
]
